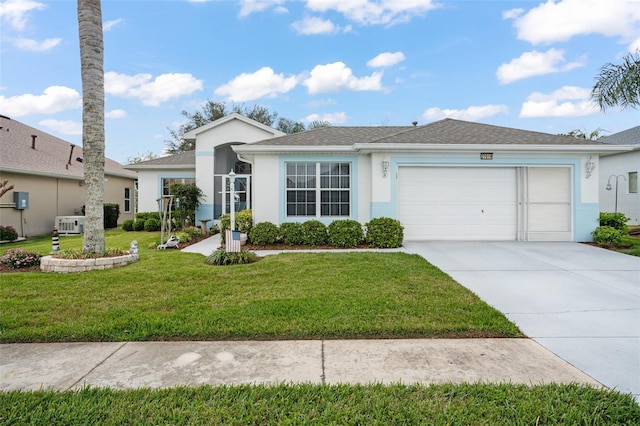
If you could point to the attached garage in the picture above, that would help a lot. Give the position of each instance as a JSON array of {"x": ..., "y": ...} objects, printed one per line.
[{"x": 485, "y": 203}]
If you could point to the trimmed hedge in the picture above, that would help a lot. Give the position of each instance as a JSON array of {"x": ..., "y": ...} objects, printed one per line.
[
  {"x": 384, "y": 232},
  {"x": 615, "y": 220},
  {"x": 152, "y": 224},
  {"x": 314, "y": 233},
  {"x": 127, "y": 225},
  {"x": 607, "y": 236},
  {"x": 264, "y": 234},
  {"x": 291, "y": 233},
  {"x": 8, "y": 233},
  {"x": 111, "y": 215},
  {"x": 344, "y": 233}
]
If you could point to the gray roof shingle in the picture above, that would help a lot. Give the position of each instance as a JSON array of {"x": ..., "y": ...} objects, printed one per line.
[
  {"x": 51, "y": 156},
  {"x": 626, "y": 137},
  {"x": 181, "y": 160}
]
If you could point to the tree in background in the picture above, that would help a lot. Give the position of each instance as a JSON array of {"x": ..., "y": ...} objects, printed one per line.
[
  {"x": 618, "y": 85},
  {"x": 92, "y": 72},
  {"x": 582, "y": 134},
  {"x": 139, "y": 158},
  {"x": 213, "y": 111}
]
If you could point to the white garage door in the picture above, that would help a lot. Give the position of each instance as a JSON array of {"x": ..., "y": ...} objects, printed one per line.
[
  {"x": 546, "y": 204},
  {"x": 457, "y": 203}
]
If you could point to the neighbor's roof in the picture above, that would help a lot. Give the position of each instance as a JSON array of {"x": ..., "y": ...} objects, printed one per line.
[
  {"x": 183, "y": 160},
  {"x": 52, "y": 156},
  {"x": 447, "y": 131},
  {"x": 626, "y": 137}
]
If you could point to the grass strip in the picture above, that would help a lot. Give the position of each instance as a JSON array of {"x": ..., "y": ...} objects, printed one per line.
[{"x": 307, "y": 404}]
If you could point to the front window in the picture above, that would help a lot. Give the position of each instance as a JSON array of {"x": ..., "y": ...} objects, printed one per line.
[
  {"x": 167, "y": 182},
  {"x": 633, "y": 182},
  {"x": 127, "y": 200},
  {"x": 320, "y": 189}
]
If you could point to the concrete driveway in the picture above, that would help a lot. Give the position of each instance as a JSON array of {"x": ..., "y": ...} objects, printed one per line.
[{"x": 578, "y": 301}]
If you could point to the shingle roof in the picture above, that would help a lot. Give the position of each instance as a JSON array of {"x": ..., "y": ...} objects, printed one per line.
[
  {"x": 51, "y": 156},
  {"x": 626, "y": 137},
  {"x": 181, "y": 160},
  {"x": 447, "y": 131}
]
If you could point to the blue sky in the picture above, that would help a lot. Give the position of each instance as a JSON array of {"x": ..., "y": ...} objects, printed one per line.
[{"x": 522, "y": 64}]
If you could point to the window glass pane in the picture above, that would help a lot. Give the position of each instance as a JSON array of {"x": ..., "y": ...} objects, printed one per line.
[
  {"x": 633, "y": 182},
  {"x": 311, "y": 169},
  {"x": 344, "y": 196},
  {"x": 344, "y": 169},
  {"x": 324, "y": 196},
  {"x": 344, "y": 182},
  {"x": 335, "y": 182},
  {"x": 324, "y": 182},
  {"x": 324, "y": 209},
  {"x": 311, "y": 182},
  {"x": 344, "y": 210},
  {"x": 291, "y": 168},
  {"x": 324, "y": 168}
]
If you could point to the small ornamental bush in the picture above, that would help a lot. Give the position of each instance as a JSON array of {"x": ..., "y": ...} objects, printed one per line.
[
  {"x": 291, "y": 233},
  {"x": 615, "y": 220},
  {"x": 244, "y": 223},
  {"x": 138, "y": 225},
  {"x": 384, "y": 232},
  {"x": 183, "y": 237},
  {"x": 214, "y": 229},
  {"x": 152, "y": 224},
  {"x": 345, "y": 233},
  {"x": 221, "y": 258},
  {"x": 264, "y": 234},
  {"x": 314, "y": 233},
  {"x": 607, "y": 236},
  {"x": 77, "y": 254},
  {"x": 127, "y": 225},
  {"x": 19, "y": 258},
  {"x": 147, "y": 215},
  {"x": 8, "y": 233},
  {"x": 194, "y": 231}
]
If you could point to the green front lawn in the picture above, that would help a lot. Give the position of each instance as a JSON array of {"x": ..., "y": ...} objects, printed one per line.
[
  {"x": 305, "y": 404},
  {"x": 170, "y": 295}
]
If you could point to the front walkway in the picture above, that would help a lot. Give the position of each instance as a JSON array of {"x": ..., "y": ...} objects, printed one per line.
[{"x": 579, "y": 301}]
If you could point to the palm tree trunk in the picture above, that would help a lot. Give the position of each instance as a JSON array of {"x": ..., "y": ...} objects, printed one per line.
[{"x": 92, "y": 70}]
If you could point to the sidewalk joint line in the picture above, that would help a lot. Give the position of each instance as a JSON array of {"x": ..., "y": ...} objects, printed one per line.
[
  {"x": 323, "y": 376},
  {"x": 96, "y": 366}
]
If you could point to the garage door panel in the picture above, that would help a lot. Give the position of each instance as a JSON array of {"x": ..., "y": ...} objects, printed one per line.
[
  {"x": 457, "y": 203},
  {"x": 549, "y": 218}
]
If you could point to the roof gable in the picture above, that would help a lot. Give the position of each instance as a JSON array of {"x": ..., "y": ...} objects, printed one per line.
[
  {"x": 626, "y": 137},
  {"x": 46, "y": 154},
  {"x": 227, "y": 118}
]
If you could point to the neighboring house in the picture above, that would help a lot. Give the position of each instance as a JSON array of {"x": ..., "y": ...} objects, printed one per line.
[
  {"x": 208, "y": 166},
  {"x": 50, "y": 170},
  {"x": 448, "y": 180},
  {"x": 621, "y": 169}
]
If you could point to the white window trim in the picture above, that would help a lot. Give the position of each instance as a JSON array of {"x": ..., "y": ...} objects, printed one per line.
[{"x": 318, "y": 190}]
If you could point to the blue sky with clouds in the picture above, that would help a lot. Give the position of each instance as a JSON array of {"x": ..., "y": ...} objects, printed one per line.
[{"x": 522, "y": 64}]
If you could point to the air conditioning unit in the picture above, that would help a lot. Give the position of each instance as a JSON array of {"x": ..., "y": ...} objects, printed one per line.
[{"x": 70, "y": 225}]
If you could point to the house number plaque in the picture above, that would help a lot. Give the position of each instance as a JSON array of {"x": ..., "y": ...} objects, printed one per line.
[{"x": 486, "y": 155}]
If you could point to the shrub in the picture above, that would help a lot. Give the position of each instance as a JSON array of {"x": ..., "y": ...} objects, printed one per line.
[
  {"x": 147, "y": 215},
  {"x": 221, "y": 258},
  {"x": 291, "y": 233},
  {"x": 384, "y": 232},
  {"x": 111, "y": 215},
  {"x": 193, "y": 231},
  {"x": 345, "y": 233},
  {"x": 615, "y": 220},
  {"x": 264, "y": 234},
  {"x": 214, "y": 229},
  {"x": 607, "y": 236},
  {"x": 314, "y": 233},
  {"x": 183, "y": 237},
  {"x": 8, "y": 233},
  {"x": 127, "y": 225},
  {"x": 244, "y": 222},
  {"x": 138, "y": 225},
  {"x": 19, "y": 258},
  {"x": 151, "y": 224}
]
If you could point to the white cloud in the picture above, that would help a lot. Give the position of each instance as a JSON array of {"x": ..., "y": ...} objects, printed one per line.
[
  {"x": 366, "y": 12},
  {"x": 54, "y": 99},
  {"x": 512, "y": 13},
  {"x": 473, "y": 113},
  {"x": 568, "y": 101},
  {"x": 151, "y": 92},
  {"x": 313, "y": 26},
  {"x": 108, "y": 25},
  {"x": 386, "y": 59},
  {"x": 337, "y": 76},
  {"x": 253, "y": 6},
  {"x": 36, "y": 46},
  {"x": 534, "y": 63},
  {"x": 116, "y": 113},
  {"x": 16, "y": 12},
  {"x": 262, "y": 83},
  {"x": 66, "y": 127},
  {"x": 333, "y": 118},
  {"x": 553, "y": 21}
]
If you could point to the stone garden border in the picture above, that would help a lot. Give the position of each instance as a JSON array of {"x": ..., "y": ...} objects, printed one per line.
[{"x": 65, "y": 266}]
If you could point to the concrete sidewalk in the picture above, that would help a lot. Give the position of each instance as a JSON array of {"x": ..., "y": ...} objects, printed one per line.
[{"x": 65, "y": 366}]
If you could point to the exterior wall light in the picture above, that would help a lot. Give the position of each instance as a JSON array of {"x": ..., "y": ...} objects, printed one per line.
[
  {"x": 590, "y": 167},
  {"x": 385, "y": 168},
  {"x": 608, "y": 187}
]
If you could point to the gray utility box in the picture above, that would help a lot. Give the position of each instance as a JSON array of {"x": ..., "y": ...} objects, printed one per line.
[{"x": 21, "y": 199}]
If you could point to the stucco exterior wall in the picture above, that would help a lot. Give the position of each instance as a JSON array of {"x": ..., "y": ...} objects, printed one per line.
[
  {"x": 150, "y": 186},
  {"x": 267, "y": 180},
  {"x": 50, "y": 197},
  {"x": 620, "y": 165}
]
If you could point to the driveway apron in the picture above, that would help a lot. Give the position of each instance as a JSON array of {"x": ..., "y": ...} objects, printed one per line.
[{"x": 580, "y": 302}]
